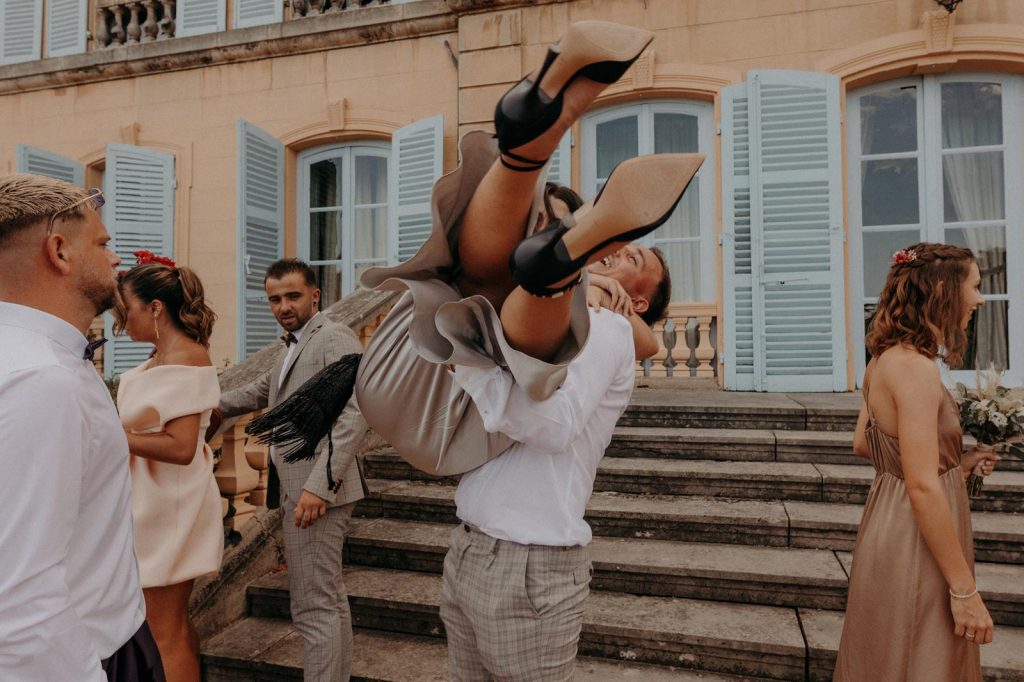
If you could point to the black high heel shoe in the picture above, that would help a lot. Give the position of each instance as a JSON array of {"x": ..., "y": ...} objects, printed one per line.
[
  {"x": 639, "y": 195},
  {"x": 598, "y": 50}
]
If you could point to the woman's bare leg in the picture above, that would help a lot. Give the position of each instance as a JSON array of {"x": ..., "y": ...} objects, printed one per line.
[{"x": 176, "y": 638}]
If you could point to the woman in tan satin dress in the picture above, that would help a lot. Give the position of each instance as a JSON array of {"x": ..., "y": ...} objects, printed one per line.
[{"x": 913, "y": 612}]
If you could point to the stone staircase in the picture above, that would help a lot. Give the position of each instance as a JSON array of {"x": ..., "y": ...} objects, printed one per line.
[{"x": 723, "y": 524}]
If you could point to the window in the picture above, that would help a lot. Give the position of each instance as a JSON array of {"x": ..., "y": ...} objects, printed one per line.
[
  {"x": 343, "y": 195},
  {"x": 929, "y": 159},
  {"x": 687, "y": 239}
]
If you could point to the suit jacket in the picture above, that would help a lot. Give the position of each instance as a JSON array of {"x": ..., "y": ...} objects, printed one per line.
[{"x": 322, "y": 343}]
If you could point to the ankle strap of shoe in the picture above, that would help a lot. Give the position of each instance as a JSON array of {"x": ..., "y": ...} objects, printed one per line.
[
  {"x": 528, "y": 165},
  {"x": 553, "y": 292}
]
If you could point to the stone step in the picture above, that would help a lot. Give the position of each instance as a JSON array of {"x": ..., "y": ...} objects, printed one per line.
[
  {"x": 1003, "y": 490},
  {"x": 733, "y": 639},
  {"x": 1002, "y": 660},
  {"x": 999, "y": 536},
  {"x": 733, "y": 573},
  {"x": 380, "y": 656},
  {"x": 732, "y": 410}
]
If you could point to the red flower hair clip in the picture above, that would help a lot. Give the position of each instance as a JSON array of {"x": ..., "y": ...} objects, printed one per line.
[
  {"x": 143, "y": 257},
  {"x": 904, "y": 256}
]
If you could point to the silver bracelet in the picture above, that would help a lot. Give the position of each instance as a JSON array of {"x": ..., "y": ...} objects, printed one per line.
[{"x": 963, "y": 596}]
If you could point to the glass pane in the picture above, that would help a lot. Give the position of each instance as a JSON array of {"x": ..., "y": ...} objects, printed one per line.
[
  {"x": 325, "y": 236},
  {"x": 371, "y": 233},
  {"x": 878, "y": 250},
  {"x": 324, "y": 183},
  {"x": 989, "y": 247},
  {"x": 889, "y": 192},
  {"x": 988, "y": 337},
  {"x": 617, "y": 141},
  {"x": 371, "y": 180},
  {"x": 972, "y": 114},
  {"x": 685, "y": 220},
  {"x": 675, "y": 134},
  {"x": 329, "y": 278},
  {"x": 363, "y": 267},
  {"x": 972, "y": 186},
  {"x": 684, "y": 266},
  {"x": 888, "y": 121}
]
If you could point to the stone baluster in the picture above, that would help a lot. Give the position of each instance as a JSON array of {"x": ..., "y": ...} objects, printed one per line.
[
  {"x": 705, "y": 352},
  {"x": 258, "y": 457},
  {"x": 117, "y": 26},
  {"x": 299, "y": 8},
  {"x": 102, "y": 31},
  {"x": 235, "y": 477},
  {"x": 315, "y": 8},
  {"x": 166, "y": 22},
  {"x": 149, "y": 27},
  {"x": 134, "y": 27}
]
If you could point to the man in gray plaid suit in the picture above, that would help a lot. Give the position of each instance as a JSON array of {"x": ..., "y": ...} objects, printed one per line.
[{"x": 316, "y": 515}]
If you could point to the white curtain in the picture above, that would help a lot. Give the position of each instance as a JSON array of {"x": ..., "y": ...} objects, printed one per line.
[{"x": 975, "y": 183}]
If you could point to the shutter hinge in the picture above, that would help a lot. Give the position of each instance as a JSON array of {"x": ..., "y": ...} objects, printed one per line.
[{"x": 718, "y": 130}]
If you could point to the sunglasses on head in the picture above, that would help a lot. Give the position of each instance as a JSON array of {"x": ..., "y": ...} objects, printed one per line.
[{"x": 94, "y": 195}]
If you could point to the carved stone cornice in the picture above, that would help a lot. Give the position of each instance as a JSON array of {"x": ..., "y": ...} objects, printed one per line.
[
  {"x": 461, "y": 7},
  {"x": 311, "y": 34}
]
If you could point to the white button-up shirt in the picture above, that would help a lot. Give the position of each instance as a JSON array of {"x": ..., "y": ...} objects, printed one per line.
[
  {"x": 69, "y": 581},
  {"x": 537, "y": 491},
  {"x": 292, "y": 347}
]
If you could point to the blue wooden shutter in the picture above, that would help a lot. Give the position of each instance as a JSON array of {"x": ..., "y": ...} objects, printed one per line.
[
  {"x": 417, "y": 151},
  {"x": 195, "y": 17},
  {"x": 43, "y": 162},
  {"x": 21, "y": 24},
  {"x": 794, "y": 203},
  {"x": 65, "y": 27},
  {"x": 260, "y": 232},
  {"x": 560, "y": 168},
  {"x": 257, "y": 12},
  {"x": 139, "y": 214}
]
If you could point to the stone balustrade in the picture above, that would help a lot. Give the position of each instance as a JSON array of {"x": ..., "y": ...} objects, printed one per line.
[
  {"x": 312, "y": 8},
  {"x": 687, "y": 340},
  {"x": 129, "y": 22}
]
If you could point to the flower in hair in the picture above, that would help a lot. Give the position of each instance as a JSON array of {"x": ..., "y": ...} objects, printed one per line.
[
  {"x": 143, "y": 257},
  {"x": 904, "y": 256}
]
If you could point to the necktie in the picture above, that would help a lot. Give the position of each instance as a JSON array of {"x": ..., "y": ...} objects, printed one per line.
[
  {"x": 288, "y": 339},
  {"x": 90, "y": 348}
]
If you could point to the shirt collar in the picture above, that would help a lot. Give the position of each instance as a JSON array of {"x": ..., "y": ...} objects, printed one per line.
[
  {"x": 35, "y": 320},
  {"x": 302, "y": 330}
]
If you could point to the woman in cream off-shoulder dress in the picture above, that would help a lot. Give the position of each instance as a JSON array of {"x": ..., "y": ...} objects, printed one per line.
[{"x": 165, "y": 405}]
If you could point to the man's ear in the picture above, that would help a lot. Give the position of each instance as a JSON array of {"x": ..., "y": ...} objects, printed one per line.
[
  {"x": 316, "y": 298},
  {"x": 640, "y": 304},
  {"x": 57, "y": 250}
]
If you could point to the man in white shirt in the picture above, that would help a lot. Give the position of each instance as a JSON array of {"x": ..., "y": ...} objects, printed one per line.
[
  {"x": 71, "y": 607},
  {"x": 518, "y": 568}
]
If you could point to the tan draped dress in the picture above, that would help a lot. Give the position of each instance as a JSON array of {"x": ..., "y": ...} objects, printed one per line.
[
  {"x": 898, "y": 624},
  {"x": 176, "y": 509}
]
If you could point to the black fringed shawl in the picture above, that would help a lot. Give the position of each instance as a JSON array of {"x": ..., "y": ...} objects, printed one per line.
[{"x": 297, "y": 425}]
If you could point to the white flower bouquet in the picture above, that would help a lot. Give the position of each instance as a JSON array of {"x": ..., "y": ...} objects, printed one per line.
[{"x": 994, "y": 415}]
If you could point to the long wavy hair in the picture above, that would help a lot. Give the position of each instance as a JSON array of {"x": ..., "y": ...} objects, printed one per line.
[
  {"x": 181, "y": 292},
  {"x": 922, "y": 303}
]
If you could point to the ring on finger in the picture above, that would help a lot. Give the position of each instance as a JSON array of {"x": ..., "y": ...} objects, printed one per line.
[{"x": 969, "y": 635}]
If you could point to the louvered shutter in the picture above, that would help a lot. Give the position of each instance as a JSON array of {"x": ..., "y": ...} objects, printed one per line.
[
  {"x": 65, "y": 27},
  {"x": 139, "y": 214},
  {"x": 260, "y": 232},
  {"x": 794, "y": 203},
  {"x": 257, "y": 12},
  {"x": 35, "y": 160},
  {"x": 737, "y": 246},
  {"x": 20, "y": 30},
  {"x": 195, "y": 17},
  {"x": 417, "y": 151},
  {"x": 560, "y": 168}
]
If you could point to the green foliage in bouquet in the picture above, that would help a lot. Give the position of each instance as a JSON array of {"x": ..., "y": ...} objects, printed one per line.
[{"x": 994, "y": 415}]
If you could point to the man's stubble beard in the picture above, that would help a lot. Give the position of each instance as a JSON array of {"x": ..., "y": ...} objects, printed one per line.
[{"x": 102, "y": 295}]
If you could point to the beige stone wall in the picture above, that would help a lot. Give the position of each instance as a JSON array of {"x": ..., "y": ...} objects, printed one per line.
[{"x": 368, "y": 90}]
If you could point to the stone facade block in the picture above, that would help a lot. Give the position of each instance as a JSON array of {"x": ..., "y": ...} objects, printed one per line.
[
  {"x": 476, "y": 105},
  {"x": 482, "y": 31},
  {"x": 485, "y": 67}
]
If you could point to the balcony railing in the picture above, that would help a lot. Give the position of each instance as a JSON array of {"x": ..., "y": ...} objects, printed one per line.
[
  {"x": 687, "y": 340},
  {"x": 126, "y": 23}
]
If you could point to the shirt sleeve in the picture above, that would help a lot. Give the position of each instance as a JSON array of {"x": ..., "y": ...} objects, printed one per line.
[
  {"x": 43, "y": 427},
  {"x": 551, "y": 425}
]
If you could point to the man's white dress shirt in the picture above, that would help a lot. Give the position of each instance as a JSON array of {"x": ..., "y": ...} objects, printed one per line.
[
  {"x": 536, "y": 492},
  {"x": 292, "y": 347},
  {"x": 69, "y": 581}
]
